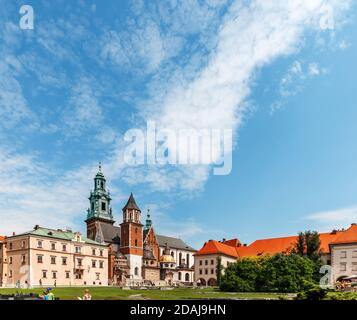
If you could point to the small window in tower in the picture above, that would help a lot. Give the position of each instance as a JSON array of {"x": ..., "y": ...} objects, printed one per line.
[
  {"x": 102, "y": 185},
  {"x": 103, "y": 206},
  {"x": 136, "y": 242}
]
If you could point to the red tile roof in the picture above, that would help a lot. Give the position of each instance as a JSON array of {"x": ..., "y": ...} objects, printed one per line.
[
  {"x": 283, "y": 245},
  {"x": 348, "y": 236},
  {"x": 215, "y": 247},
  {"x": 233, "y": 242},
  {"x": 234, "y": 248},
  {"x": 2, "y": 238}
]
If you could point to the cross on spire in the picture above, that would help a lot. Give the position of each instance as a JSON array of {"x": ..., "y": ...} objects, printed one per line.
[{"x": 100, "y": 166}]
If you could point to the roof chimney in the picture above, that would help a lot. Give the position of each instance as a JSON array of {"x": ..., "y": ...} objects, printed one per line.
[
  {"x": 13, "y": 233},
  {"x": 224, "y": 240},
  {"x": 36, "y": 227}
]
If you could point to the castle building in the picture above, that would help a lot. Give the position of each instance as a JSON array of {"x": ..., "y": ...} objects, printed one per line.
[
  {"x": 338, "y": 249},
  {"x": 3, "y": 262},
  {"x": 136, "y": 253},
  {"x": 48, "y": 257}
]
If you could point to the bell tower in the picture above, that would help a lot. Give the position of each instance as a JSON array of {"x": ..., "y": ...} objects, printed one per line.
[
  {"x": 131, "y": 240},
  {"x": 100, "y": 209}
]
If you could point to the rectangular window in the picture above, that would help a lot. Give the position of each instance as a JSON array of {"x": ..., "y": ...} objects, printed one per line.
[
  {"x": 212, "y": 271},
  {"x": 354, "y": 254},
  {"x": 67, "y": 274},
  {"x": 78, "y": 249},
  {"x": 343, "y": 266},
  {"x": 212, "y": 262},
  {"x": 101, "y": 264},
  {"x": 206, "y": 262},
  {"x": 64, "y": 261},
  {"x": 94, "y": 263},
  {"x": 101, "y": 253},
  {"x": 39, "y": 244},
  {"x": 200, "y": 262},
  {"x": 200, "y": 271},
  {"x": 104, "y": 206},
  {"x": 93, "y": 252},
  {"x": 23, "y": 244},
  {"x": 10, "y": 273},
  {"x": 53, "y": 260},
  {"x": 54, "y": 275},
  {"x": 79, "y": 262},
  {"x": 97, "y": 275},
  {"x": 206, "y": 271},
  {"x": 39, "y": 259},
  {"x": 23, "y": 259},
  {"x": 53, "y": 246},
  {"x": 44, "y": 274},
  {"x": 10, "y": 260},
  {"x": 64, "y": 247},
  {"x": 10, "y": 245},
  {"x": 343, "y": 254}
]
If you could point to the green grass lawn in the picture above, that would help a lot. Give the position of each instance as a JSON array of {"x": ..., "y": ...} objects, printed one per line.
[{"x": 112, "y": 293}]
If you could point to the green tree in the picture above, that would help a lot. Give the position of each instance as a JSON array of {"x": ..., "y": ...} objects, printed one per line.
[
  {"x": 308, "y": 244},
  {"x": 219, "y": 271},
  {"x": 277, "y": 273}
]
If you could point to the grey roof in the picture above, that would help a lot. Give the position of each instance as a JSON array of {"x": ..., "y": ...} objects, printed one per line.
[
  {"x": 110, "y": 233},
  {"x": 131, "y": 204},
  {"x": 174, "y": 243}
]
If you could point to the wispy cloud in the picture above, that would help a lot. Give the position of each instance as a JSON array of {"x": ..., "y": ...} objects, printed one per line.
[{"x": 332, "y": 219}]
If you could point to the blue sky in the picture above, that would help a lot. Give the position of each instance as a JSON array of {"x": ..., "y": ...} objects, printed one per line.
[{"x": 269, "y": 70}]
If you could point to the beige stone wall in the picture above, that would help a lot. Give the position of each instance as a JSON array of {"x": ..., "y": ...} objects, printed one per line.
[
  {"x": 34, "y": 259},
  {"x": 151, "y": 274},
  {"x": 3, "y": 265},
  {"x": 205, "y": 266},
  {"x": 343, "y": 260},
  {"x": 185, "y": 275}
]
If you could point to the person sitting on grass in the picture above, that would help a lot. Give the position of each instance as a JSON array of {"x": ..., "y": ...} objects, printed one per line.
[{"x": 86, "y": 296}]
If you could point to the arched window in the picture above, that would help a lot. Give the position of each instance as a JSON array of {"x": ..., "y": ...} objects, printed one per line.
[
  {"x": 188, "y": 260},
  {"x": 136, "y": 271},
  {"x": 179, "y": 275},
  {"x": 136, "y": 242},
  {"x": 172, "y": 253},
  {"x": 180, "y": 258},
  {"x": 187, "y": 277}
]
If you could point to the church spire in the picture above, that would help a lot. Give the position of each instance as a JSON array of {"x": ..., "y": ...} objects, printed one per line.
[{"x": 148, "y": 221}]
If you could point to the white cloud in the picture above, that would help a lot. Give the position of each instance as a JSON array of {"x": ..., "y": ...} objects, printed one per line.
[
  {"x": 334, "y": 219},
  {"x": 250, "y": 37}
]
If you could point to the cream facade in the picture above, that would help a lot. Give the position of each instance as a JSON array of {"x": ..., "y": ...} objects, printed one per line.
[
  {"x": 343, "y": 260},
  {"x": 47, "y": 257},
  {"x": 3, "y": 262},
  {"x": 206, "y": 266}
]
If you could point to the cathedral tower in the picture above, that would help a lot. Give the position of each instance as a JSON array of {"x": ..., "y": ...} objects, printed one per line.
[
  {"x": 100, "y": 210},
  {"x": 131, "y": 240}
]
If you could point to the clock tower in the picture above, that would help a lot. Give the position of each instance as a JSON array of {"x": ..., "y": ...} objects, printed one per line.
[{"x": 100, "y": 209}]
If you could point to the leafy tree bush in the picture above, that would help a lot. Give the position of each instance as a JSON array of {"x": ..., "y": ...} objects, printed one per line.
[{"x": 277, "y": 273}]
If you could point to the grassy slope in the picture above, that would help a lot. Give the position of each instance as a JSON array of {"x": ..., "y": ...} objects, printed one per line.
[{"x": 110, "y": 293}]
